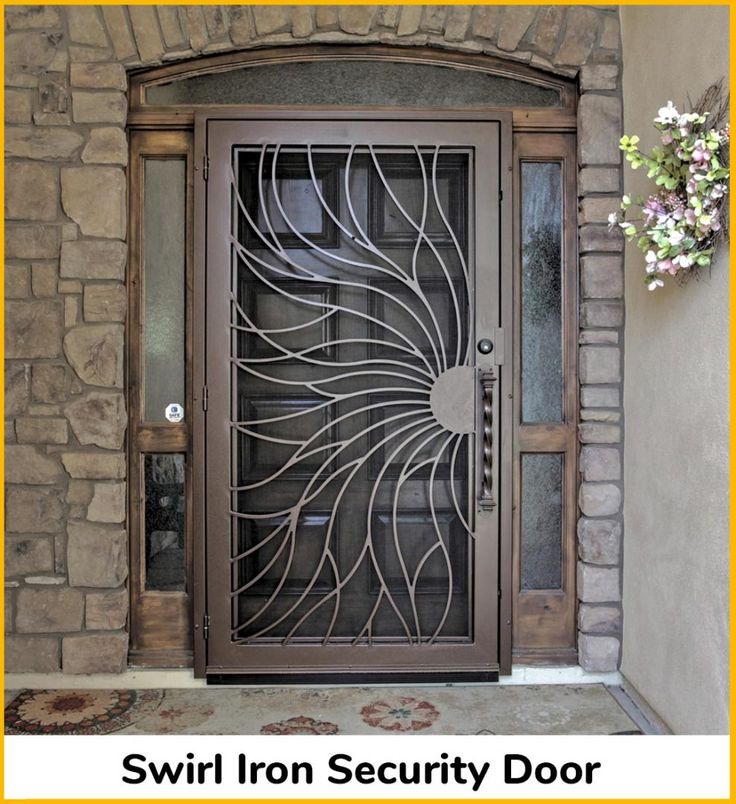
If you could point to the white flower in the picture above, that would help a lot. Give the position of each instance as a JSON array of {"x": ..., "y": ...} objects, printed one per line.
[
  {"x": 654, "y": 284},
  {"x": 613, "y": 218},
  {"x": 683, "y": 260},
  {"x": 667, "y": 114},
  {"x": 675, "y": 237}
]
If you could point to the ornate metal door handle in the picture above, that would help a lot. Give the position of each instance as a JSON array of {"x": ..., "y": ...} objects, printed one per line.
[{"x": 485, "y": 498}]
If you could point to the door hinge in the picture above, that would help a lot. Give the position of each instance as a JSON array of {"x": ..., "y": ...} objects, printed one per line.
[
  {"x": 206, "y": 627},
  {"x": 206, "y": 167},
  {"x": 205, "y": 396},
  {"x": 500, "y": 195}
]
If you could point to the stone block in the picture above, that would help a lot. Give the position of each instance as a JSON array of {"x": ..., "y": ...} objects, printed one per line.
[
  {"x": 49, "y": 610},
  {"x": 94, "y": 198},
  {"x": 24, "y": 654},
  {"x": 598, "y": 584},
  {"x": 85, "y": 26},
  {"x": 600, "y": 415},
  {"x": 599, "y": 433},
  {"x": 25, "y": 464},
  {"x": 599, "y": 499},
  {"x": 49, "y": 383},
  {"x": 79, "y": 492},
  {"x": 93, "y": 259},
  {"x": 30, "y": 50},
  {"x": 44, "y": 279},
  {"x": 600, "y": 364},
  {"x": 98, "y": 419},
  {"x": 32, "y": 329},
  {"x": 98, "y": 76},
  {"x": 485, "y": 21},
  {"x": 9, "y": 612},
  {"x": 17, "y": 388},
  {"x": 35, "y": 142},
  {"x": 599, "y": 129},
  {"x": 610, "y": 34},
  {"x": 356, "y": 19},
  {"x": 599, "y": 540},
  {"x": 108, "y": 503},
  {"x": 547, "y": 29},
  {"x": 17, "y": 282},
  {"x": 601, "y": 314},
  {"x": 271, "y": 19},
  {"x": 94, "y": 465},
  {"x": 597, "y": 208},
  {"x": 326, "y": 16},
  {"x": 433, "y": 19},
  {"x": 168, "y": 19},
  {"x": 44, "y": 430},
  {"x": 602, "y": 277},
  {"x": 515, "y": 23},
  {"x": 600, "y": 238},
  {"x": 409, "y": 21},
  {"x": 580, "y": 35},
  {"x": 105, "y": 302},
  {"x": 593, "y": 396},
  {"x": 598, "y": 336},
  {"x": 456, "y": 26},
  {"x": 242, "y": 28},
  {"x": 598, "y": 654},
  {"x": 599, "y": 619},
  {"x": 28, "y": 554},
  {"x": 106, "y": 611},
  {"x": 95, "y": 351},
  {"x": 106, "y": 146},
  {"x": 96, "y": 555},
  {"x": 119, "y": 32},
  {"x": 598, "y": 76},
  {"x": 600, "y": 463},
  {"x": 99, "y": 107},
  {"x": 18, "y": 106},
  {"x": 83, "y": 654},
  {"x": 37, "y": 241},
  {"x": 28, "y": 17},
  {"x": 146, "y": 33}
]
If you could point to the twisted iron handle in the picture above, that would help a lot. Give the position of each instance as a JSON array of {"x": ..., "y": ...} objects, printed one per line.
[{"x": 485, "y": 499}]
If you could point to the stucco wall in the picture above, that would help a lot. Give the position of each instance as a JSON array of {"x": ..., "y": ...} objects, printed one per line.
[{"x": 675, "y": 648}]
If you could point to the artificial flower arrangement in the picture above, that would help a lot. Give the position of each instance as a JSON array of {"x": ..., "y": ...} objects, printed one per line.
[{"x": 682, "y": 222}]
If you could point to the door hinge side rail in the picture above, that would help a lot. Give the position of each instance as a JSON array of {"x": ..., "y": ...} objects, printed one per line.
[{"x": 206, "y": 626}]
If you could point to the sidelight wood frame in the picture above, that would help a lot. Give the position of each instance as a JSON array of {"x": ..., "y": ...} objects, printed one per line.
[
  {"x": 160, "y": 622},
  {"x": 161, "y": 130}
]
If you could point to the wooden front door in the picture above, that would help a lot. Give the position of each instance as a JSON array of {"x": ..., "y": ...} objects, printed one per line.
[{"x": 356, "y": 448}]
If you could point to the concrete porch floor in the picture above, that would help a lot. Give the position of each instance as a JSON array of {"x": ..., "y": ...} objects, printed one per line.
[{"x": 468, "y": 709}]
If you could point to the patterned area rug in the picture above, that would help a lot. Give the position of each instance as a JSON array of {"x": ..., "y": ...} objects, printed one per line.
[{"x": 554, "y": 709}]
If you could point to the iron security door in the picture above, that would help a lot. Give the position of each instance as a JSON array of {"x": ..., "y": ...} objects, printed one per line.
[{"x": 353, "y": 427}]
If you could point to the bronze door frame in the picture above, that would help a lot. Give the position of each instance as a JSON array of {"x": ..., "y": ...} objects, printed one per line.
[{"x": 209, "y": 399}]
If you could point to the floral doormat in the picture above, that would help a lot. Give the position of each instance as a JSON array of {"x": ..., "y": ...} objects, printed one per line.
[{"x": 553, "y": 709}]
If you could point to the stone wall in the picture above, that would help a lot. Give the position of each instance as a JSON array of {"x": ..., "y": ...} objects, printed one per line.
[{"x": 66, "y": 147}]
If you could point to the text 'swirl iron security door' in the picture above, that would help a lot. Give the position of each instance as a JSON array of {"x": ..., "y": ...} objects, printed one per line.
[{"x": 352, "y": 427}]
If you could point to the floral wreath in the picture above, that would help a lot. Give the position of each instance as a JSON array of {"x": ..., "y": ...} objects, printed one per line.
[{"x": 684, "y": 220}]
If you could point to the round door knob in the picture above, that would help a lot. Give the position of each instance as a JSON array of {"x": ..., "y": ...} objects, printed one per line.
[{"x": 485, "y": 346}]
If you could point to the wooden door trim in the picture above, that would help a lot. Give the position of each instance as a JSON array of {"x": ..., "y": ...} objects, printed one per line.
[{"x": 159, "y": 622}]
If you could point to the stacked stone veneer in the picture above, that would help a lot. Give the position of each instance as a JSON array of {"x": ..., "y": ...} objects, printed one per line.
[{"x": 66, "y": 212}]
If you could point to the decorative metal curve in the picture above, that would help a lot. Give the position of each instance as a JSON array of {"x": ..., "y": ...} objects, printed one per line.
[{"x": 332, "y": 420}]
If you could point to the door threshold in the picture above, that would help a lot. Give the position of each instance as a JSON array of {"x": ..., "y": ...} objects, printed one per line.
[{"x": 137, "y": 678}]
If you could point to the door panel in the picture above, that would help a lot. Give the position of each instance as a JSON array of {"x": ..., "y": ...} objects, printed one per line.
[{"x": 351, "y": 267}]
